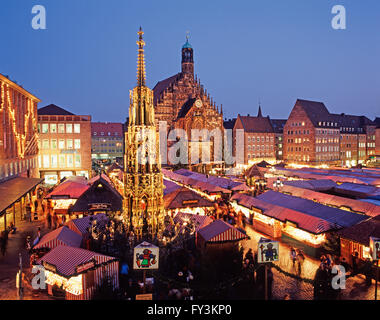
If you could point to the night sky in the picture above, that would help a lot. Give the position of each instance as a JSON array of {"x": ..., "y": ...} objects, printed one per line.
[{"x": 274, "y": 50}]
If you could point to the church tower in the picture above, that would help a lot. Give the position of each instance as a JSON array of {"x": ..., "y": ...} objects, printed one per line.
[
  {"x": 143, "y": 181},
  {"x": 187, "y": 58}
]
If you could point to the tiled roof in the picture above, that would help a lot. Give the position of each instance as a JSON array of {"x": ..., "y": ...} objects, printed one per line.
[
  {"x": 112, "y": 129},
  {"x": 278, "y": 125},
  {"x": 60, "y": 236},
  {"x": 221, "y": 231},
  {"x": 229, "y": 124},
  {"x": 256, "y": 124},
  {"x": 53, "y": 110},
  {"x": 161, "y": 86},
  {"x": 80, "y": 225},
  {"x": 186, "y": 107},
  {"x": 183, "y": 198}
]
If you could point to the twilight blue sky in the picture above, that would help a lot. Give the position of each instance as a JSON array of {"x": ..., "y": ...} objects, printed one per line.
[{"x": 245, "y": 50}]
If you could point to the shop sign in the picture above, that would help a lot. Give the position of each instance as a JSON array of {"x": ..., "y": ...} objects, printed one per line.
[
  {"x": 268, "y": 251},
  {"x": 374, "y": 244},
  {"x": 145, "y": 256},
  {"x": 85, "y": 266}
]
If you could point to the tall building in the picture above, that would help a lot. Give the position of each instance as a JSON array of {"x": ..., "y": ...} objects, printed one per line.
[
  {"x": 143, "y": 180},
  {"x": 259, "y": 138},
  {"x": 182, "y": 102},
  {"x": 18, "y": 131},
  {"x": 107, "y": 140},
  {"x": 314, "y": 136},
  {"x": 278, "y": 128},
  {"x": 64, "y": 144}
]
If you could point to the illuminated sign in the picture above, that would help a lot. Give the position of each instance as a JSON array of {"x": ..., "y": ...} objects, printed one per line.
[
  {"x": 268, "y": 251},
  {"x": 145, "y": 256},
  {"x": 50, "y": 267},
  {"x": 374, "y": 244},
  {"x": 59, "y": 197},
  {"x": 190, "y": 201},
  {"x": 147, "y": 296},
  {"x": 99, "y": 206},
  {"x": 85, "y": 266}
]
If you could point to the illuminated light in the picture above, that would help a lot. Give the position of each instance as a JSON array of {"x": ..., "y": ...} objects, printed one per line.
[
  {"x": 305, "y": 236},
  {"x": 72, "y": 285},
  {"x": 64, "y": 203}
]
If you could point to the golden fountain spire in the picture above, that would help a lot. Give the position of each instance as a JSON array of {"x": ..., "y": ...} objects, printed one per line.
[{"x": 141, "y": 60}]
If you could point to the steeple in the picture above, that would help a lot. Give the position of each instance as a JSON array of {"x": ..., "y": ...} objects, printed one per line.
[
  {"x": 141, "y": 60},
  {"x": 187, "y": 58},
  {"x": 259, "y": 114}
]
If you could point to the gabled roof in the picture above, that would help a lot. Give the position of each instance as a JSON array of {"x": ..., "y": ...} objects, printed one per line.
[
  {"x": 221, "y": 231},
  {"x": 53, "y": 110},
  {"x": 254, "y": 171},
  {"x": 162, "y": 85},
  {"x": 316, "y": 111},
  {"x": 80, "y": 225},
  {"x": 60, "y": 236},
  {"x": 255, "y": 124},
  {"x": 198, "y": 220},
  {"x": 66, "y": 259},
  {"x": 184, "y": 198}
]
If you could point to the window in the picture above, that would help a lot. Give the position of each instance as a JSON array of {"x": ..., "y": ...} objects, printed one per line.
[
  {"x": 77, "y": 161},
  {"x": 62, "y": 161},
  {"x": 77, "y": 144},
  {"x": 54, "y": 143},
  {"x": 61, "y": 144},
  {"x": 76, "y": 128},
  {"x": 69, "y": 128},
  {"x": 53, "y": 128},
  {"x": 69, "y": 143},
  {"x": 54, "y": 161},
  {"x": 70, "y": 160},
  {"x": 61, "y": 128},
  {"x": 45, "y": 128},
  {"x": 46, "y": 162}
]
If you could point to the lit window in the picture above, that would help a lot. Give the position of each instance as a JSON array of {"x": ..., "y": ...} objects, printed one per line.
[
  {"x": 54, "y": 161},
  {"x": 69, "y": 128},
  {"x": 77, "y": 144},
  {"x": 69, "y": 143},
  {"x": 53, "y": 128},
  {"x": 61, "y": 144},
  {"x": 70, "y": 161},
  {"x": 62, "y": 161},
  {"x": 46, "y": 162},
  {"x": 45, "y": 128},
  {"x": 76, "y": 128},
  {"x": 61, "y": 128},
  {"x": 54, "y": 143},
  {"x": 45, "y": 144},
  {"x": 77, "y": 161}
]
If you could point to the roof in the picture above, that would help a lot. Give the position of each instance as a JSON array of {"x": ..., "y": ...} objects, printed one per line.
[
  {"x": 53, "y": 110},
  {"x": 357, "y": 190},
  {"x": 278, "y": 125},
  {"x": 71, "y": 188},
  {"x": 14, "y": 189},
  {"x": 109, "y": 129},
  {"x": 318, "y": 185},
  {"x": 60, "y": 236},
  {"x": 229, "y": 124},
  {"x": 162, "y": 85},
  {"x": 256, "y": 124},
  {"x": 221, "y": 231},
  {"x": 185, "y": 198},
  {"x": 316, "y": 111},
  {"x": 340, "y": 218},
  {"x": 362, "y": 231},
  {"x": 170, "y": 186},
  {"x": 66, "y": 259},
  {"x": 80, "y": 225},
  {"x": 187, "y": 45},
  {"x": 253, "y": 171}
]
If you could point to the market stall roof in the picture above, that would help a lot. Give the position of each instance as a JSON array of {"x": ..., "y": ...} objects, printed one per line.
[
  {"x": 362, "y": 231},
  {"x": 303, "y": 221},
  {"x": 82, "y": 224},
  {"x": 221, "y": 231},
  {"x": 61, "y": 236},
  {"x": 69, "y": 189},
  {"x": 100, "y": 195},
  {"x": 254, "y": 171},
  {"x": 341, "y": 218},
  {"x": 317, "y": 185},
  {"x": 363, "y": 207},
  {"x": 170, "y": 187},
  {"x": 15, "y": 189},
  {"x": 357, "y": 190},
  {"x": 185, "y": 198},
  {"x": 198, "y": 220},
  {"x": 66, "y": 259}
]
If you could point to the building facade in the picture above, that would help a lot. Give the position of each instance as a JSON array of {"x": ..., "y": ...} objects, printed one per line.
[
  {"x": 182, "y": 103},
  {"x": 64, "y": 144},
  {"x": 107, "y": 141},
  {"x": 18, "y": 131},
  {"x": 259, "y": 138},
  {"x": 314, "y": 136}
]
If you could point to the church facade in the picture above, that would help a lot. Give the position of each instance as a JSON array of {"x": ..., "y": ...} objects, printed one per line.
[{"x": 182, "y": 103}]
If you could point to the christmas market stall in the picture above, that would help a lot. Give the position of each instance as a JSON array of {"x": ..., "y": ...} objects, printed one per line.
[
  {"x": 82, "y": 226},
  {"x": 219, "y": 234},
  {"x": 188, "y": 201},
  {"x": 76, "y": 273},
  {"x": 356, "y": 239}
]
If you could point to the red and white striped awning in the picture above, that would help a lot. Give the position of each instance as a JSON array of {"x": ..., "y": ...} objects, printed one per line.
[
  {"x": 221, "y": 231},
  {"x": 61, "y": 236}
]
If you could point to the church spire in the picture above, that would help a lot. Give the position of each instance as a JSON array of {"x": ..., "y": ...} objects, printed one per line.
[
  {"x": 259, "y": 114},
  {"x": 141, "y": 60}
]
